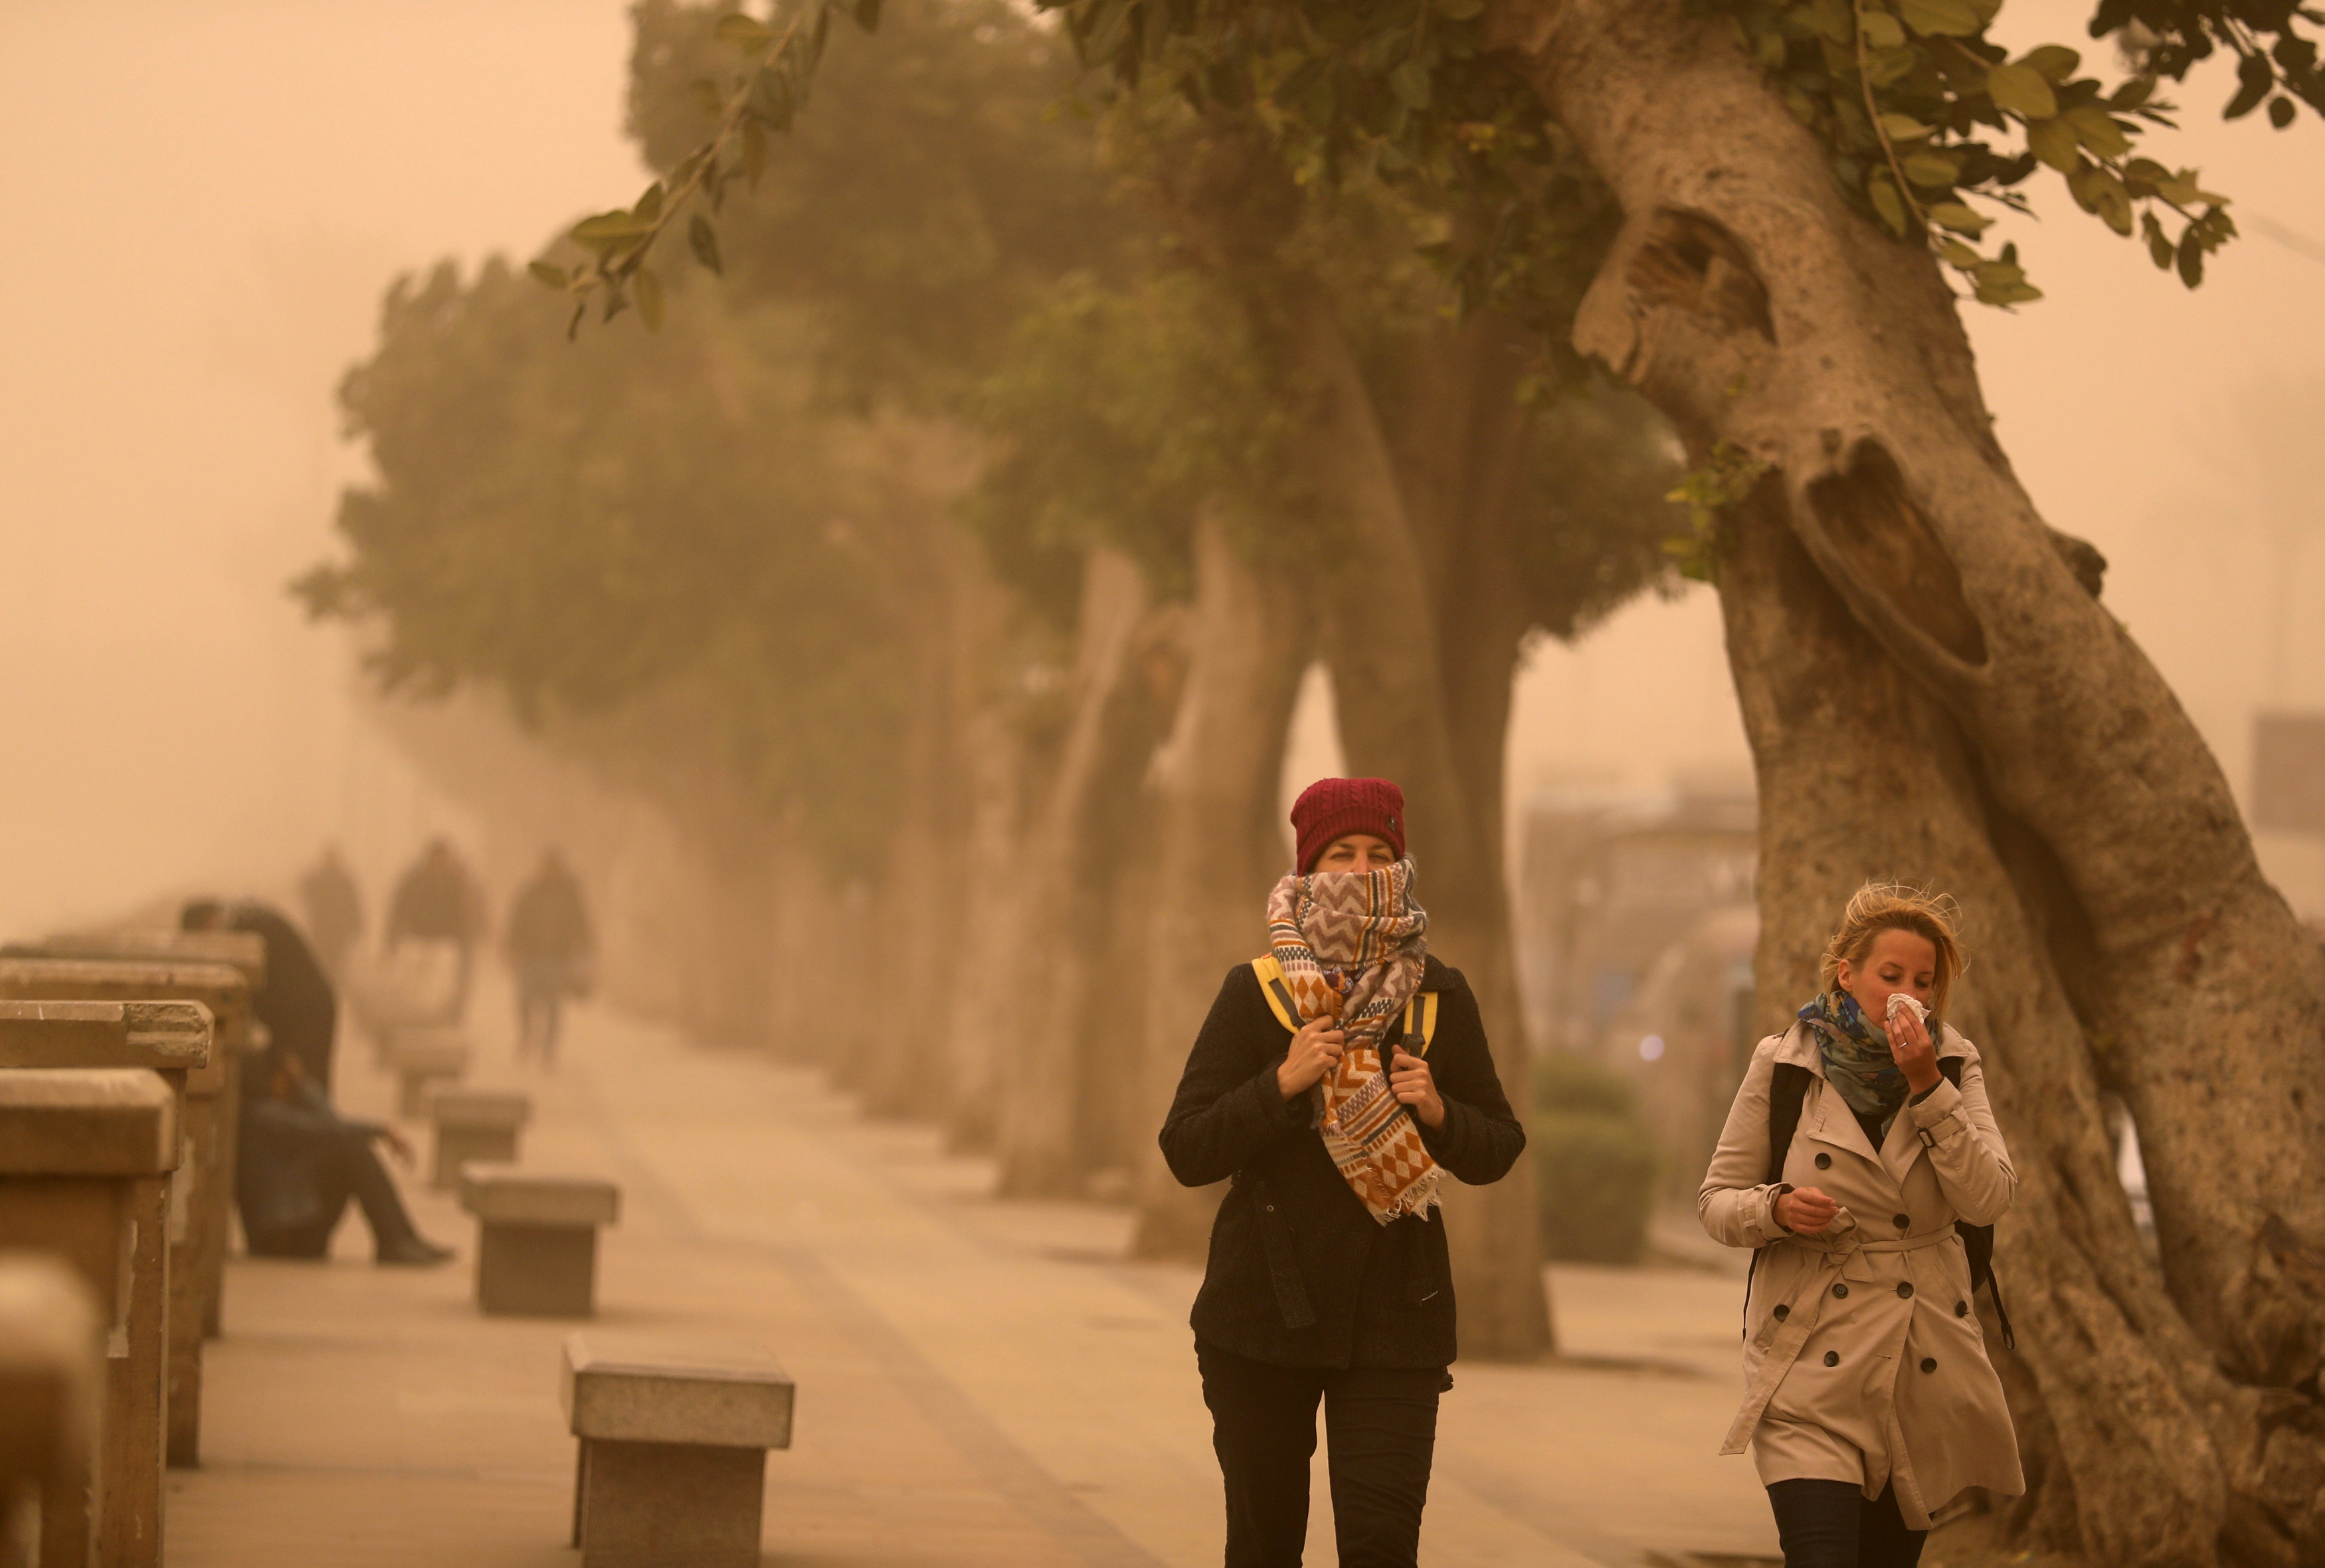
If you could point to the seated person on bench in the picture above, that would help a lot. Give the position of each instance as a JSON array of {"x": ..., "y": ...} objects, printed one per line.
[{"x": 301, "y": 1161}]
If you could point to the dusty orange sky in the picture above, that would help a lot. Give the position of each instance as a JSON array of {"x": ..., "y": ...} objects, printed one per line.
[{"x": 213, "y": 199}]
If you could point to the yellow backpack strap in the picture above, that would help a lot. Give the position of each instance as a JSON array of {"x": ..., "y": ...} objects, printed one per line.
[
  {"x": 1278, "y": 994},
  {"x": 1421, "y": 1011}
]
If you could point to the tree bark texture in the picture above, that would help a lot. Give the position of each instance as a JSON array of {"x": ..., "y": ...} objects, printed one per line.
[
  {"x": 2126, "y": 939},
  {"x": 1215, "y": 851},
  {"x": 1078, "y": 843}
]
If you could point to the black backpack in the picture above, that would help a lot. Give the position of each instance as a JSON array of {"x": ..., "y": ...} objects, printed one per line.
[{"x": 1786, "y": 1090}]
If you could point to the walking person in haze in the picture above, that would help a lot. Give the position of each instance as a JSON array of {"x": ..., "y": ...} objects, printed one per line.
[
  {"x": 334, "y": 909},
  {"x": 437, "y": 902},
  {"x": 1337, "y": 1079},
  {"x": 550, "y": 947},
  {"x": 1860, "y": 1157}
]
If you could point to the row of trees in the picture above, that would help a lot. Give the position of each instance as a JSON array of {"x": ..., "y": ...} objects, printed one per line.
[
  {"x": 1750, "y": 209},
  {"x": 955, "y": 563}
]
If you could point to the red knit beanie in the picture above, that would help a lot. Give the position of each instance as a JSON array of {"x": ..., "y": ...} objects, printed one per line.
[{"x": 1333, "y": 808}]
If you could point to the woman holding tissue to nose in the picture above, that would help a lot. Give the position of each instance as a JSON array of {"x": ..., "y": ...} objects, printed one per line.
[
  {"x": 1859, "y": 1139},
  {"x": 1337, "y": 1079}
]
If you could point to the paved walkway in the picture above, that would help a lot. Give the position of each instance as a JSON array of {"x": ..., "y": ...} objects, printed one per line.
[{"x": 980, "y": 1382}]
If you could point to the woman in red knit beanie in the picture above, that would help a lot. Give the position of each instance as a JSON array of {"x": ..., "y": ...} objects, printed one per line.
[{"x": 1338, "y": 1078}]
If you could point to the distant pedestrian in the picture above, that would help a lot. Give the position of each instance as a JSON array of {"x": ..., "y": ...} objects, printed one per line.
[
  {"x": 1338, "y": 1080},
  {"x": 551, "y": 949},
  {"x": 437, "y": 902},
  {"x": 1860, "y": 1139},
  {"x": 333, "y": 908}
]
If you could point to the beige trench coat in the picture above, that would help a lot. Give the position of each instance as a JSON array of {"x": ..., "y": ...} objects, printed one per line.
[{"x": 1864, "y": 1359}]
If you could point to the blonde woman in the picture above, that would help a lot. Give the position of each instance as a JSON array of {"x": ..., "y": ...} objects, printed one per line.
[{"x": 1860, "y": 1140}]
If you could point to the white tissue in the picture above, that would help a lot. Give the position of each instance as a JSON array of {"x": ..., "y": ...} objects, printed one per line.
[{"x": 1899, "y": 1001}]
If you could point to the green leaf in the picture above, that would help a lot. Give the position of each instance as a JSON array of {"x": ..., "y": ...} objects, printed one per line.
[
  {"x": 1932, "y": 170},
  {"x": 1903, "y": 128},
  {"x": 706, "y": 93},
  {"x": 1410, "y": 83},
  {"x": 2158, "y": 245},
  {"x": 1957, "y": 253},
  {"x": 1940, "y": 18},
  {"x": 1961, "y": 219},
  {"x": 650, "y": 303},
  {"x": 2280, "y": 111},
  {"x": 2021, "y": 90},
  {"x": 1834, "y": 20},
  {"x": 703, "y": 240},
  {"x": 2132, "y": 93},
  {"x": 747, "y": 33},
  {"x": 547, "y": 275},
  {"x": 2056, "y": 61},
  {"x": 2191, "y": 257},
  {"x": 1888, "y": 204},
  {"x": 2054, "y": 142},
  {"x": 1881, "y": 30},
  {"x": 606, "y": 231},
  {"x": 2099, "y": 131},
  {"x": 649, "y": 206},
  {"x": 2255, "y": 77}
]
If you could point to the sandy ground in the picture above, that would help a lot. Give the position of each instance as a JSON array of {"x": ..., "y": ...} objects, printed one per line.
[{"x": 979, "y": 1382}]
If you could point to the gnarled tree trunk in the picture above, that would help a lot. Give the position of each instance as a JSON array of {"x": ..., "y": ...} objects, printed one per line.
[
  {"x": 1754, "y": 308},
  {"x": 1080, "y": 840},
  {"x": 1217, "y": 849},
  {"x": 1424, "y": 699}
]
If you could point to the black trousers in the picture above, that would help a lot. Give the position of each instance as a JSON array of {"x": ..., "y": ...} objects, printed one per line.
[
  {"x": 1827, "y": 1524},
  {"x": 341, "y": 1166},
  {"x": 1380, "y": 1427}
]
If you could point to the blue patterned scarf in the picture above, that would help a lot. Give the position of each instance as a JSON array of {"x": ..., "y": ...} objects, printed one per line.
[{"x": 1856, "y": 1059}]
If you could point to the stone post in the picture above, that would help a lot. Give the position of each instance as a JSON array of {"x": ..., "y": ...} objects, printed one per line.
[
  {"x": 85, "y": 1154},
  {"x": 197, "y": 1250}
]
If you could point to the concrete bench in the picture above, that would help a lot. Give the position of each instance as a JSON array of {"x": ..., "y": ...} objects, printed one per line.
[
  {"x": 474, "y": 1126},
  {"x": 200, "y": 1227},
  {"x": 85, "y": 1161},
  {"x": 418, "y": 1057},
  {"x": 674, "y": 1434},
  {"x": 51, "y": 1384},
  {"x": 537, "y": 1238},
  {"x": 172, "y": 1038}
]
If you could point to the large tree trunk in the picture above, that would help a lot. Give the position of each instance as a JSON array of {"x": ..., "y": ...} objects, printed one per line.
[
  {"x": 1421, "y": 702},
  {"x": 1217, "y": 849},
  {"x": 1754, "y": 308},
  {"x": 1080, "y": 841}
]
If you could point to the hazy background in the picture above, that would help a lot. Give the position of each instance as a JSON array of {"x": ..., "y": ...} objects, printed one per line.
[{"x": 210, "y": 200}]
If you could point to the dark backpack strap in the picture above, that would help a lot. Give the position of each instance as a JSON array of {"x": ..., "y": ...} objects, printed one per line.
[
  {"x": 1787, "y": 1087},
  {"x": 1978, "y": 1240},
  {"x": 1284, "y": 995}
]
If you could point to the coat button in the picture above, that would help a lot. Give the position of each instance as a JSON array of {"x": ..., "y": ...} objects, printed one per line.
[
  {"x": 1905, "y": 1287},
  {"x": 1841, "y": 1289},
  {"x": 1783, "y": 1312},
  {"x": 1929, "y": 1364},
  {"x": 1832, "y": 1358},
  {"x": 1824, "y": 1162},
  {"x": 1961, "y": 1309},
  {"x": 1904, "y": 1221}
]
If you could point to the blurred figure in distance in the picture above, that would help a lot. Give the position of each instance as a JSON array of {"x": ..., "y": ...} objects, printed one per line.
[
  {"x": 437, "y": 902},
  {"x": 553, "y": 952},
  {"x": 334, "y": 909}
]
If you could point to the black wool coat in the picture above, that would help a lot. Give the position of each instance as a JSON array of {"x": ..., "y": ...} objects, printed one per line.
[{"x": 1301, "y": 1275}]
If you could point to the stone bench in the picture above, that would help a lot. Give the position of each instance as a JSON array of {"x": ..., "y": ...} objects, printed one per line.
[
  {"x": 418, "y": 1057},
  {"x": 200, "y": 1226},
  {"x": 85, "y": 1161},
  {"x": 52, "y": 1386},
  {"x": 473, "y": 1126},
  {"x": 172, "y": 1038},
  {"x": 671, "y": 1466},
  {"x": 537, "y": 1238},
  {"x": 244, "y": 951}
]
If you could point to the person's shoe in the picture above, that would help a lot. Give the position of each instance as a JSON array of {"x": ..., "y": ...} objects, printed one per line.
[{"x": 417, "y": 1251}]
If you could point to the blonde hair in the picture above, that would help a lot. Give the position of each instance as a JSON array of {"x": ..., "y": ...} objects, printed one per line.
[{"x": 1878, "y": 907}]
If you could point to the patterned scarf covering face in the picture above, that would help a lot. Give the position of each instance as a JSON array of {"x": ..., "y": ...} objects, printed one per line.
[
  {"x": 1351, "y": 945},
  {"x": 1856, "y": 1059}
]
